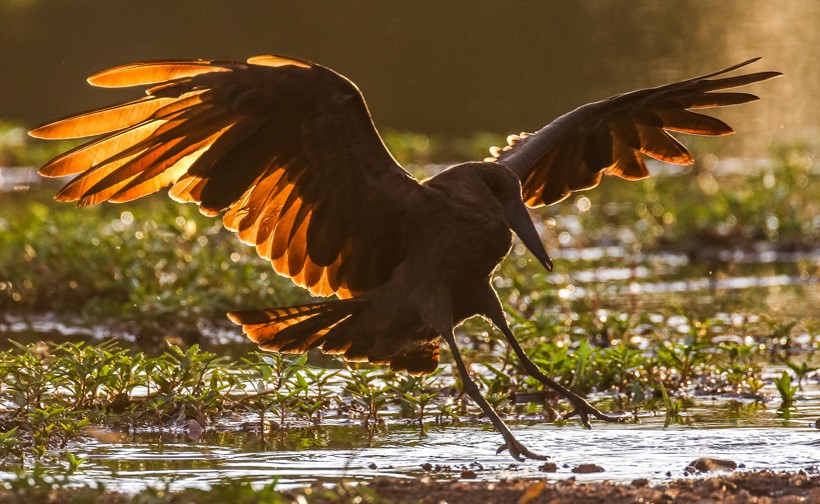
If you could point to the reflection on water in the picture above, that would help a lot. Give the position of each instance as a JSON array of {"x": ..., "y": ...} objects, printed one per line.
[
  {"x": 758, "y": 282},
  {"x": 473, "y": 66},
  {"x": 335, "y": 453}
]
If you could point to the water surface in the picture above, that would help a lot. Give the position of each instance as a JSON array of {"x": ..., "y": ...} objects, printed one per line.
[{"x": 345, "y": 452}]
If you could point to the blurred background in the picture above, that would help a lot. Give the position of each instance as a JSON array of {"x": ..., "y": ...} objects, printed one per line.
[{"x": 443, "y": 69}]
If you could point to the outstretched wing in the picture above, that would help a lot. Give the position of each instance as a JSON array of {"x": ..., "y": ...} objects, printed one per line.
[
  {"x": 286, "y": 147},
  {"x": 574, "y": 151}
]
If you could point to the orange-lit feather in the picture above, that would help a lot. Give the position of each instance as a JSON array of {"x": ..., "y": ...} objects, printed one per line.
[
  {"x": 103, "y": 120},
  {"x": 616, "y": 131},
  {"x": 140, "y": 74}
]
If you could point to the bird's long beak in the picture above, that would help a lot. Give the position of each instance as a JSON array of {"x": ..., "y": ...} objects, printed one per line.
[{"x": 519, "y": 221}]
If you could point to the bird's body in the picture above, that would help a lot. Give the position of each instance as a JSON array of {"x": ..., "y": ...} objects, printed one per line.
[
  {"x": 287, "y": 150},
  {"x": 451, "y": 238}
]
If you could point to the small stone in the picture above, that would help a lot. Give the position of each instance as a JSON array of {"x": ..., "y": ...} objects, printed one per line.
[
  {"x": 668, "y": 497},
  {"x": 587, "y": 468},
  {"x": 468, "y": 474},
  {"x": 549, "y": 467},
  {"x": 640, "y": 482},
  {"x": 427, "y": 466},
  {"x": 817, "y": 423},
  {"x": 706, "y": 464},
  {"x": 372, "y": 465},
  {"x": 194, "y": 429}
]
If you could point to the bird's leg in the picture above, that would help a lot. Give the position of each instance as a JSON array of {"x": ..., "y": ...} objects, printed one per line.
[
  {"x": 517, "y": 450},
  {"x": 581, "y": 406}
]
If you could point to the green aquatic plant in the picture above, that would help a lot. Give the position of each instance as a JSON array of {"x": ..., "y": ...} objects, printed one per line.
[
  {"x": 583, "y": 356},
  {"x": 801, "y": 370},
  {"x": 622, "y": 366},
  {"x": 74, "y": 462},
  {"x": 785, "y": 389},
  {"x": 368, "y": 391},
  {"x": 277, "y": 381},
  {"x": 416, "y": 393},
  {"x": 683, "y": 359},
  {"x": 672, "y": 407}
]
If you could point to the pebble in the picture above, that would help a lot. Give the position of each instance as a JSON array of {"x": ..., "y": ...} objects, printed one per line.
[
  {"x": 588, "y": 468},
  {"x": 549, "y": 467},
  {"x": 706, "y": 464},
  {"x": 372, "y": 465},
  {"x": 194, "y": 429},
  {"x": 468, "y": 474}
]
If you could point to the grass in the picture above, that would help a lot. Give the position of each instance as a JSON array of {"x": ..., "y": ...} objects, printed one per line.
[{"x": 54, "y": 395}]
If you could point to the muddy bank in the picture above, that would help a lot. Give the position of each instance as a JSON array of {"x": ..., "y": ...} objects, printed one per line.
[
  {"x": 757, "y": 487},
  {"x": 738, "y": 487}
]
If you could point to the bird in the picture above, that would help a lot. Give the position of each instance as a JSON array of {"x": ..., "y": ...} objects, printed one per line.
[{"x": 287, "y": 152}]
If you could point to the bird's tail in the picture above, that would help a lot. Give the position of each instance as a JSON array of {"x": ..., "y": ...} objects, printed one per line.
[
  {"x": 330, "y": 327},
  {"x": 297, "y": 329}
]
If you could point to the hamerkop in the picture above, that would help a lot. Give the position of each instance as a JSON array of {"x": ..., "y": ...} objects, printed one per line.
[{"x": 287, "y": 150}]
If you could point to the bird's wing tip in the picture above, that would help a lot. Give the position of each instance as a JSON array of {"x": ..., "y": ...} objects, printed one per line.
[
  {"x": 39, "y": 132},
  {"x": 273, "y": 60}
]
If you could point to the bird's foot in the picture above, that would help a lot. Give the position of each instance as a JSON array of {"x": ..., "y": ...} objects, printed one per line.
[
  {"x": 518, "y": 451},
  {"x": 583, "y": 409}
]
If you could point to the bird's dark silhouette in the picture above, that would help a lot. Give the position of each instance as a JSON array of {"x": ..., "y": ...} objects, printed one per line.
[{"x": 287, "y": 149}]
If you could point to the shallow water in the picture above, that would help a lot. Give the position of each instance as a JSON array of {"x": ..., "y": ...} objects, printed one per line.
[{"x": 761, "y": 440}]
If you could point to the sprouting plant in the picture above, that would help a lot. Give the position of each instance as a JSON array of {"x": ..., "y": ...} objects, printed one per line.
[
  {"x": 673, "y": 407},
  {"x": 71, "y": 429},
  {"x": 754, "y": 384},
  {"x": 29, "y": 377},
  {"x": 583, "y": 357},
  {"x": 366, "y": 392},
  {"x": 785, "y": 389},
  {"x": 620, "y": 365},
  {"x": 446, "y": 411},
  {"x": 86, "y": 368},
  {"x": 683, "y": 359},
  {"x": 74, "y": 462},
  {"x": 184, "y": 368},
  {"x": 278, "y": 381},
  {"x": 498, "y": 383},
  {"x": 415, "y": 393},
  {"x": 418, "y": 403},
  {"x": 801, "y": 370},
  {"x": 735, "y": 374},
  {"x": 498, "y": 401},
  {"x": 10, "y": 444},
  {"x": 126, "y": 373}
]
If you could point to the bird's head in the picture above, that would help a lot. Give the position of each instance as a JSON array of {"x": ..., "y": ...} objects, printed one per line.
[{"x": 496, "y": 190}]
